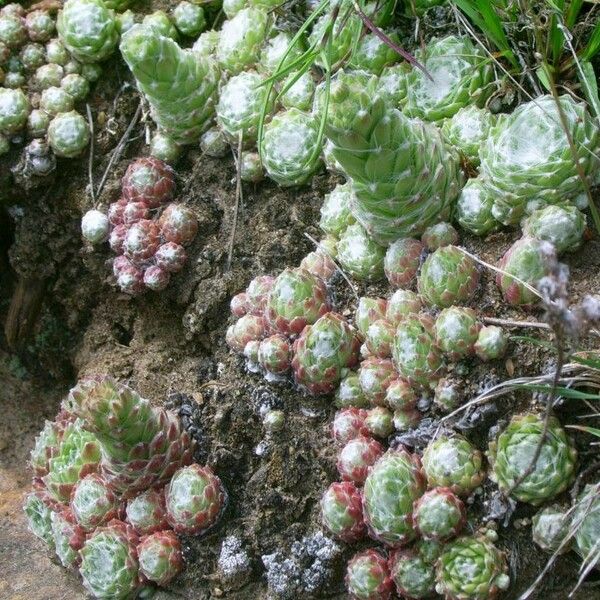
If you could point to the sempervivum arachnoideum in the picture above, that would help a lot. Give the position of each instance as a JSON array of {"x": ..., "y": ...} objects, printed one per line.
[
  {"x": 400, "y": 395},
  {"x": 367, "y": 312},
  {"x": 413, "y": 576},
  {"x": 513, "y": 452},
  {"x": 109, "y": 563},
  {"x": 359, "y": 255},
  {"x": 178, "y": 224},
  {"x": 458, "y": 74},
  {"x": 368, "y": 576},
  {"x": 68, "y": 537},
  {"x": 448, "y": 277},
  {"x": 323, "y": 353},
  {"x": 402, "y": 261},
  {"x": 474, "y": 208},
  {"x": 348, "y": 423},
  {"x": 349, "y": 393},
  {"x": 439, "y": 514},
  {"x": 586, "y": 516},
  {"x": 195, "y": 499},
  {"x": 93, "y": 503},
  {"x": 454, "y": 463},
  {"x": 467, "y": 130},
  {"x": 402, "y": 303},
  {"x": 38, "y": 507},
  {"x": 249, "y": 328},
  {"x": 160, "y": 557},
  {"x": 319, "y": 263},
  {"x": 525, "y": 261},
  {"x": 375, "y": 376},
  {"x": 335, "y": 210},
  {"x": 380, "y": 338},
  {"x": 291, "y": 148},
  {"x": 550, "y": 528},
  {"x": 356, "y": 457},
  {"x": 147, "y": 512},
  {"x": 456, "y": 331},
  {"x": 491, "y": 343},
  {"x": 274, "y": 354},
  {"x": 439, "y": 235},
  {"x": 341, "y": 511},
  {"x": 141, "y": 445},
  {"x": 47, "y": 443},
  {"x": 415, "y": 352},
  {"x": 379, "y": 421},
  {"x": 519, "y": 171},
  {"x": 296, "y": 299},
  {"x": 394, "y": 482},
  {"x": 148, "y": 180}
]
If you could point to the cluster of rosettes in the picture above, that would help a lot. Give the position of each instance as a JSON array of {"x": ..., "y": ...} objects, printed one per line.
[
  {"x": 114, "y": 484},
  {"x": 144, "y": 228},
  {"x": 415, "y": 509},
  {"x": 46, "y": 68}
]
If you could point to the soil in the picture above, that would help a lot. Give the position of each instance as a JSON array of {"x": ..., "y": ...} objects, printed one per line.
[{"x": 172, "y": 345}]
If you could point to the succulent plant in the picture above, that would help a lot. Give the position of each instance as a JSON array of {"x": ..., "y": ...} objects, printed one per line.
[
  {"x": 348, "y": 424},
  {"x": 471, "y": 568},
  {"x": 394, "y": 482},
  {"x": 341, "y": 511},
  {"x": 439, "y": 235},
  {"x": 400, "y": 395},
  {"x": 375, "y": 376},
  {"x": 155, "y": 278},
  {"x": 251, "y": 168},
  {"x": 491, "y": 343},
  {"x": 77, "y": 455},
  {"x": 13, "y": 32},
  {"x": 148, "y": 180},
  {"x": 297, "y": 91},
  {"x": 467, "y": 130},
  {"x": 76, "y": 86},
  {"x": 164, "y": 148},
  {"x": 32, "y": 56},
  {"x": 290, "y": 149},
  {"x": 232, "y": 7},
  {"x": 4, "y": 144},
  {"x": 340, "y": 36},
  {"x": 405, "y": 419},
  {"x": 68, "y": 537},
  {"x": 514, "y": 450},
  {"x": 439, "y": 514},
  {"x": 368, "y": 311},
  {"x": 213, "y": 143},
  {"x": 56, "y": 53},
  {"x": 55, "y": 100},
  {"x": 206, "y": 44},
  {"x": 368, "y": 576},
  {"x": 456, "y": 331},
  {"x": 356, "y": 457},
  {"x": 296, "y": 299},
  {"x": 40, "y": 25},
  {"x": 416, "y": 354},
  {"x": 38, "y": 507},
  {"x": 257, "y": 293},
  {"x": 460, "y": 74},
  {"x": 93, "y": 503},
  {"x": 323, "y": 352},
  {"x": 454, "y": 463},
  {"x": 448, "y": 277},
  {"x": 349, "y": 393},
  {"x": 404, "y": 180},
  {"x": 178, "y": 224},
  {"x": 160, "y": 557},
  {"x": 562, "y": 225},
  {"x": 68, "y": 134},
  {"x": 147, "y": 512},
  {"x": 47, "y": 443},
  {"x": 189, "y": 18},
  {"x": 273, "y": 421},
  {"x": 130, "y": 278},
  {"x": 335, "y": 211},
  {"x": 359, "y": 255},
  {"x": 402, "y": 261},
  {"x": 141, "y": 241},
  {"x": 141, "y": 445},
  {"x": 159, "y": 23},
  {"x": 586, "y": 519},
  {"x": 474, "y": 208},
  {"x": 373, "y": 54},
  {"x": 88, "y": 30},
  {"x": 195, "y": 499},
  {"x": 413, "y": 576},
  {"x": 48, "y": 75},
  {"x": 520, "y": 171},
  {"x": 380, "y": 338},
  {"x": 379, "y": 422},
  {"x": 125, "y": 20},
  {"x": 526, "y": 260},
  {"x": 319, "y": 263},
  {"x": 447, "y": 395},
  {"x": 109, "y": 564},
  {"x": 274, "y": 354},
  {"x": 549, "y": 529},
  {"x": 278, "y": 49},
  {"x": 241, "y": 39},
  {"x": 14, "y": 109},
  {"x": 241, "y": 101},
  {"x": 180, "y": 86},
  {"x": 402, "y": 303}
]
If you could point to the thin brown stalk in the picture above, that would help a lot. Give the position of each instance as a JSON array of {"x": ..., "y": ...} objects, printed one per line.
[{"x": 238, "y": 198}]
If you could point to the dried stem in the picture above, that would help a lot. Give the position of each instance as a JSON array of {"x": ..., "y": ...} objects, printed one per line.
[
  {"x": 91, "y": 154},
  {"x": 238, "y": 198},
  {"x": 512, "y": 323}
]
